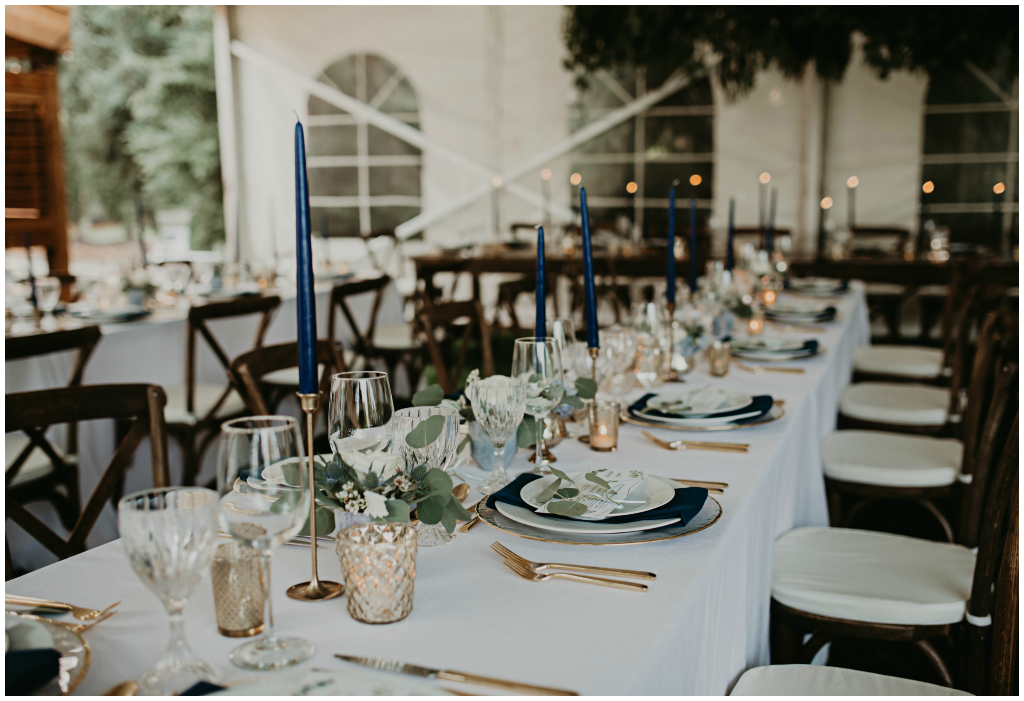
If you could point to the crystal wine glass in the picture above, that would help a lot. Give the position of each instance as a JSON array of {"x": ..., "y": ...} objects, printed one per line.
[
  {"x": 264, "y": 503},
  {"x": 498, "y": 405},
  {"x": 538, "y": 364},
  {"x": 438, "y": 455},
  {"x": 360, "y": 412},
  {"x": 170, "y": 536}
]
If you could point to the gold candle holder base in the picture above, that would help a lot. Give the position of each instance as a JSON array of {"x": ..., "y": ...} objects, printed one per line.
[
  {"x": 672, "y": 375},
  {"x": 314, "y": 589}
]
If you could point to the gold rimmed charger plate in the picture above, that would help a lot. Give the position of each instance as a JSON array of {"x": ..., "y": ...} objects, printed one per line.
[
  {"x": 821, "y": 351},
  {"x": 69, "y": 644},
  {"x": 707, "y": 517},
  {"x": 774, "y": 414}
]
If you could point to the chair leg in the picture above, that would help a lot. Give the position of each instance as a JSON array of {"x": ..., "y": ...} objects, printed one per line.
[
  {"x": 835, "y": 506},
  {"x": 933, "y": 656},
  {"x": 930, "y": 507},
  {"x": 785, "y": 640}
]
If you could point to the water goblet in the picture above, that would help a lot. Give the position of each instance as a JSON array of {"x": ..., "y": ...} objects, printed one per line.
[
  {"x": 499, "y": 403},
  {"x": 264, "y": 502},
  {"x": 170, "y": 536},
  {"x": 437, "y": 455},
  {"x": 538, "y": 364},
  {"x": 360, "y": 411}
]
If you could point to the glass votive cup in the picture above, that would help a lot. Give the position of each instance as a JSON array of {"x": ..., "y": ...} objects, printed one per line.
[
  {"x": 237, "y": 590},
  {"x": 378, "y": 561},
  {"x": 604, "y": 425},
  {"x": 755, "y": 324},
  {"x": 719, "y": 354}
]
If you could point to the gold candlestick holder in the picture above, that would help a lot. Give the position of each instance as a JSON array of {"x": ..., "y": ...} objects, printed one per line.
[
  {"x": 672, "y": 375},
  {"x": 593, "y": 364},
  {"x": 314, "y": 589}
]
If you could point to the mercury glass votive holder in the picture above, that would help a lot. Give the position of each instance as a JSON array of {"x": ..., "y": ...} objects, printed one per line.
[
  {"x": 604, "y": 425},
  {"x": 378, "y": 561},
  {"x": 237, "y": 590},
  {"x": 755, "y": 324},
  {"x": 719, "y": 354}
]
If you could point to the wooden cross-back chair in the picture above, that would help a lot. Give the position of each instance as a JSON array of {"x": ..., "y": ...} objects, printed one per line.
[
  {"x": 397, "y": 345},
  {"x": 441, "y": 325},
  {"x": 31, "y": 474},
  {"x": 988, "y": 400},
  {"x": 196, "y": 410},
  {"x": 510, "y": 291},
  {"x": 141, "y": 406},
  {"x": 886, "y": 611},
  {"x": 249, "y": 370}
]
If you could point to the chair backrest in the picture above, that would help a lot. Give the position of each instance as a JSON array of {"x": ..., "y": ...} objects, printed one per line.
[
  {"x": 248, "y": 369},
  {"x": 437, "y": 317},
  {"x": 84, "y": 339},
  {"x": 199, "y": 315},
  {"x": 1004, "y": 660},
  {"x": 362, "y": 339},
  {"x": 996, "y": 536},
  {"x": 979, "y": 299},
  {"x": 980, "y": 385},
  {"x": 32, "y": 412},
  {"x": 510, "y": 290}
]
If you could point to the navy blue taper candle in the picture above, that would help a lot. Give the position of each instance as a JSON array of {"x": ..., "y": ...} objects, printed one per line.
[
  {"x": 27, "y": 238},
  {"x": 305, "y": 300},
  {"x": 589, "y": 293},
  {"x": 540, "y": 326},
  {"x": 693, "y": 244},
  {"x": 770, "y": 238},
  {"x": 670, "y": 277},
  {"x": 730, "y": 256}
]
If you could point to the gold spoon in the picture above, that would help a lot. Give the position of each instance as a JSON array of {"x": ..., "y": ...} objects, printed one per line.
[
  {"x": 128, "y": 688},
  {"x": 460, "y": 491}
]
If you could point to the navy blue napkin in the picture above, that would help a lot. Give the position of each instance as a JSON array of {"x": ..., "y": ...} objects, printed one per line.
[
  {"x": 762, "y": 404},
  {"x": 686, "y": 504},
  {"x": 810, "y": 345},
  {"x": 27, "y": 670},
  {"x": 827, "y": 314},
  {"x": 201, "y": 689}
]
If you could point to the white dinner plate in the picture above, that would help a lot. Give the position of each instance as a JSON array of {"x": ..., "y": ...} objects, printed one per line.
[
  {"x": 769, "y": 344},
  {"x": 109, "y": 316},
  {"x": 32, "y": 634},
  {"x": 731, "y": 401},
  {"x": 698, "y": 422},
  {"x": 815, "y": 284},
  {"x": 798, "y": 309},
  {"x": 789, "y": 355},
  {"x": 528, "y": 518},
  {"x": 652, "y": 492}
]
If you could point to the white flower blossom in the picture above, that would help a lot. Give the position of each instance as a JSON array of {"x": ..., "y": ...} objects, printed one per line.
[
  {"x": 385, "y": 465},
  {"x": 376, "y": 505}
]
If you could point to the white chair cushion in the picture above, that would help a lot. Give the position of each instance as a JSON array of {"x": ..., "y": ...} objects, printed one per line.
[
  {"x": 873, "y": 577},
  {"x": 905, "y": 361},
  {"x": 206, "y": 395},
  {"x": 36, "y": 465},
  {"x": 883, "y": 288},
  {"x": 891, "y": 459},
  {"x": 808, "y": 680},
  {"x": 896, "y": 403},
  {"x": 395, "y": 336}
]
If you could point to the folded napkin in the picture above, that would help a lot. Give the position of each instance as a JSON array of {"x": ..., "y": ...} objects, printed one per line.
[
  {"x": 27, "y": 670},
  {"x": 826, "y": 313},
  {"x": 843, "y": 286},
  {"x": 810, "y": 347},
  {"x": 686, "y": 504},
  {"x": 201, "y": 689},
  {"x": 761, "y": 404}
]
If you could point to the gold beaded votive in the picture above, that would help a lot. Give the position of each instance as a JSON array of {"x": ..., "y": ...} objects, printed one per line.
[
  {"x": 378, "y": 561},
  {"x": 719, "y": 354},
  {"x": 237, "y": 590},
  {"x": 604, "y": 425}
]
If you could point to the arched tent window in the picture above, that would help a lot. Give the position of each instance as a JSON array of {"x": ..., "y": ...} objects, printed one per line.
[
  {"x": 363, "y": 179},
  {"x": 672, "y": 140},
  {"x": 970, "y": 146}
]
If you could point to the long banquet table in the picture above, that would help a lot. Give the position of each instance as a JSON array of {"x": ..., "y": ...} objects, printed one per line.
[{"x": 701, "y": 624}]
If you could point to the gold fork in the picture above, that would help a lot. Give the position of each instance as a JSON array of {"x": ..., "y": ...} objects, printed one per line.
[
  {"x": 80, "y": 612},
  {"x": 698, "y": 445},
  {"x": 758, "y": 369},
  {"x": 790, "y": 328},
  {"x": 73, "y": 627},
  {"x": 471, "y": 524},
  {"x": 534, "y": 566},
  {"x": 536, "y": 577}
]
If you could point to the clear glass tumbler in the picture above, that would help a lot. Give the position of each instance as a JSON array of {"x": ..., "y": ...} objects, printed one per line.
[
  {"x": 499, "y": 403},
  {"x": 438, "y": 455},
  {"x": 360, "y": 410}
]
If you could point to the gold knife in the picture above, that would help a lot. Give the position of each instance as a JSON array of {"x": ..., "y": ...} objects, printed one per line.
[{"x": 453, "y": 676}]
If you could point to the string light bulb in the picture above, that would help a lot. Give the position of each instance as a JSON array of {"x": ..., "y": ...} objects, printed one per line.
[
  {"x": 696, "y": 180},
  {"x": 826, "y": 203},
  {"x": 928, "y": 187},
  {"x": 765, "y": 177},
  {"x": 999, "y": 188},
  {"x": 631, "y": 187},
  {"x": 575, "y": 179},
  {"x": 545, "y": 174},
  {"x": 852, "y": 181},
  {"x": 496, "y": 181}
]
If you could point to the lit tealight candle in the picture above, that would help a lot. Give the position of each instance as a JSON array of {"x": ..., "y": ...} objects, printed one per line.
[
  {"x": 602, "y": 440},
  {"x": 604, "y": 425}
]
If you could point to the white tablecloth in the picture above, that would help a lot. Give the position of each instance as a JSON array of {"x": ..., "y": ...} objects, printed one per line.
[
  {"x": 701, "y": 624},
  {"x": 153, "y": 351}
]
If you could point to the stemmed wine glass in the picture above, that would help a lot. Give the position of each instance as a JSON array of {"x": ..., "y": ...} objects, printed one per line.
[
  {"x": 170, "y": 536},
  {"x": 438, "y": 455},
  {"x": 537, "y": 363},
  {"x": 360, "y": 411},
  {"x": 498, "y": 406},
  {"x": 264, "y": 502}
]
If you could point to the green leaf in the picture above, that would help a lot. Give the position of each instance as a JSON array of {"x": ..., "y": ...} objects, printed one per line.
[
  {"x": 324, "y": 522},
  {"x": 431, "y": 509},
  {"x": 591, "y": 477},
  {"x": 567, "y": 508},
  {"x": 426, "y": 432},
  {"x": 438, "y": 482},
  {"x": 430, "y": 396},
  {"x": 286, "y": 502},
  {"x": 460, "y": 511},
  {"x": 292, "y": 472},
  {"x": 575, "y": 402},
  {"x": 418, "y": 473},
  {"x": 448, "y": 520},
  {"x": 467, "y": 413},
  {"x": 568, "y": 492},
  {"x": 527, "y": 433},
  {"x": 398, "y": 510},
  {"x": 462, "y": 445},
  {"x": 586, "y": 387},
  {"x": 561, "y": 475},
  {"x": 549, "y": 491},
  {"x": 326, "y": 499}
]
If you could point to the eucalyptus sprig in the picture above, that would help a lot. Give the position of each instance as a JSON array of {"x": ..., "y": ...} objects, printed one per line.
[{"x": 561, "y": 500}]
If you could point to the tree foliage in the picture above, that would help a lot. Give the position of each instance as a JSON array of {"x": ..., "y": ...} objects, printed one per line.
[
  {"x": 741, "y": 41},
  {"x": 140, "y": 107}
]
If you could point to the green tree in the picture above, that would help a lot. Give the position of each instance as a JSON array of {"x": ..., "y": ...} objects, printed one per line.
[{"x": 140, "y": 107}]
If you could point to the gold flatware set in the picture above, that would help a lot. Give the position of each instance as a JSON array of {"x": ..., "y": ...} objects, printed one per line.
[
  {"x": 530, "y": 571},
  {"x": 80, "y": 612},
  {"x": 698, "y": 445},
  {"x": 758, "y": 369}
]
